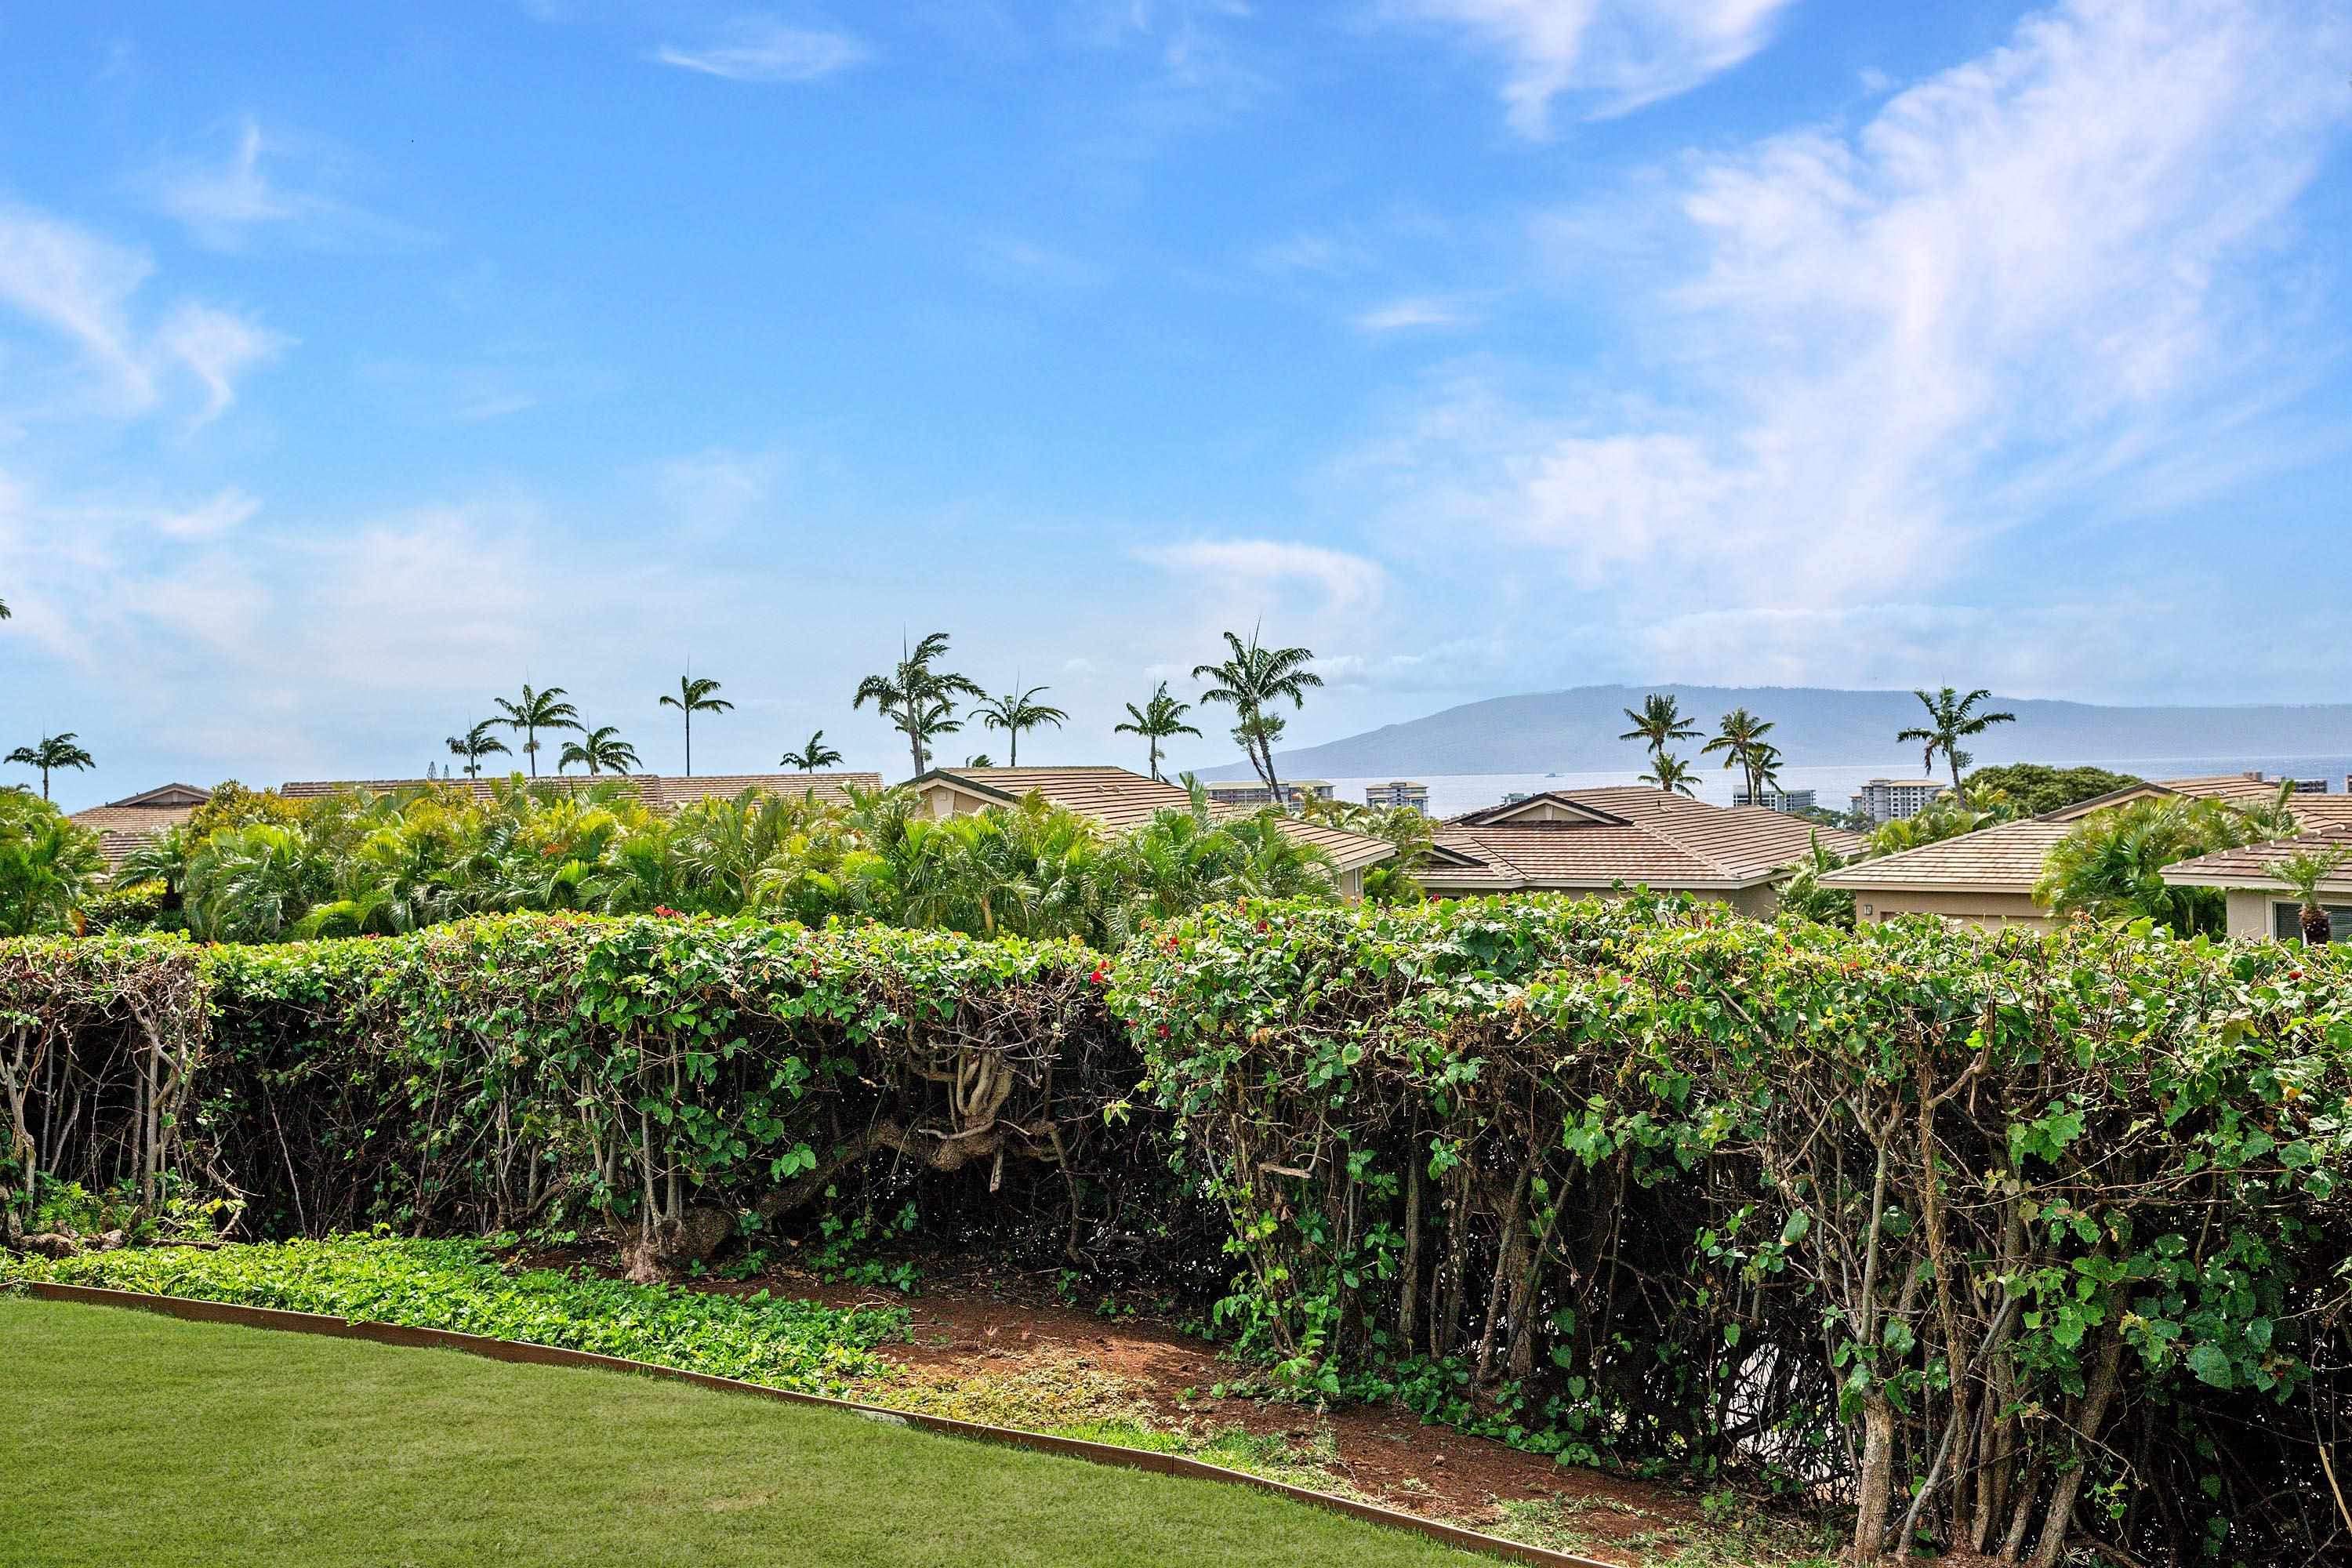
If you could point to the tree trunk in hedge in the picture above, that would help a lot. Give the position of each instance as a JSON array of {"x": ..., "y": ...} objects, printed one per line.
[
  {"x": 2318, "y": 929},
  {"x": 2096, "y": 1398},
  {"x": 1877, "y": 1478}
]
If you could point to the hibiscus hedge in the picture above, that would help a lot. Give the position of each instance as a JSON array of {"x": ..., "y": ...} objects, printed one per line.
[{"x": 2003, "y": 1238}]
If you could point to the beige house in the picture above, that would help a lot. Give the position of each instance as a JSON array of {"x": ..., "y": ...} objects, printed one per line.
[
  {"x": 1598, "y": 840},
  {"x": 122, "y": 825},
  {"x": 1121, "y": 799},
  {"x": 2259, "y": 904},
  {"x": 1986, "y": 878}
]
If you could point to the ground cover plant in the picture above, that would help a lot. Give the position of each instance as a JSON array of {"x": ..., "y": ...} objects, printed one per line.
[
  {"x": 456, "y": 1284},
  {"x": 1999, "y": 1240},
  {"x": 246, "y": 1445}
]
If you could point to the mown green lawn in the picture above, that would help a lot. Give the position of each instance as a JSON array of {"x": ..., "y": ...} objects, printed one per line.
[{"x": 128, "y": 1439}]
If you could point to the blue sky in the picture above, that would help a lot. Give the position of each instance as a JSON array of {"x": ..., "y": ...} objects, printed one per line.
[{"x": 360, "y": 363}]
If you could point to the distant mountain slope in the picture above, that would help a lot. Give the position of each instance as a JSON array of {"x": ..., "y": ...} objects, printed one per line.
[{"x": 1576, "y": 731}]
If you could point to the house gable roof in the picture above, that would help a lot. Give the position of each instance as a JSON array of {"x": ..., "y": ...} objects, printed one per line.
[
  {"x": 2250, "y": 867},
  {"x": 1596, "y": 838}
]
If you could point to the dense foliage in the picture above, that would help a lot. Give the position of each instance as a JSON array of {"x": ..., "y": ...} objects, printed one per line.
[
  {"x": 254, "y": 867},
  {"x": 455, "y": 1283},
  {"x": 2030, "y": 789},
  {"x": 2000, "y": 1237},
  {"x": 46, "y": 863},
  {"x": 2111, "y": 867},
  {"x": 2004, "y": 1235}
]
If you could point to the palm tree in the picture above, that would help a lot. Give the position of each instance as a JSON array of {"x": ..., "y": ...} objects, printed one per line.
[
  {"x": 1015, "y": 711},
  {"x": 1671, "y": 773},
  {"x": 809, "y": 758},
  {"x": 599, "y": 751},
  {"x": 535, "y": 711},
  {"x": 2302, "y": 872},
  {"x": 476, "y": 743},
  {"x": 1253, "y": 678},
  {"x": 1740, "y": 738},
  {"x": 2111, "y": 865},
  {"x": 1660, "y": 720},
  {"x": 695, "y": 695},
  {"x": 1158, "y": 719},
  {"x": 920, "y": 702},
  {"x": 1951, "y": 718},
  {"x": 54, "y": 752}
]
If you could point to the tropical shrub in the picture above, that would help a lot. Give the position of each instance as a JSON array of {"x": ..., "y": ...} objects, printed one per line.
[
  {"x": 2112, "y": 865},
  {"x": 2030, "y": 789},
  {"x": 45, "y": 861}
]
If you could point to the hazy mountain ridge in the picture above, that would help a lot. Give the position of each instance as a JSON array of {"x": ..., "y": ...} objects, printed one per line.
[{"x": 1577, "y": 730}]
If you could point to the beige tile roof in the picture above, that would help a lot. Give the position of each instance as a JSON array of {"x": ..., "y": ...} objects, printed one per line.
[
  {"x": 2003, "y": 858},
  {"x": 122, "y": 828},
  {"x": 2250, "y": 866},
  {"x": 659, "y": 792},
  {"x": 1121, "y": 799},
  {"x": 2008, "y": 858},
  {"x": 1639, "y": 836}
]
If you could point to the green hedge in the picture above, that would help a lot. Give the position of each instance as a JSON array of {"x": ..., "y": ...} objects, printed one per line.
[
  {"x": 2002, "y": 1237},
  {"x": 2006, "y": 1235}
]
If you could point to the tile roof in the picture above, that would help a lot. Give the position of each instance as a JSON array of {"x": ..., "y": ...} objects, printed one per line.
[
  {"x": 1635, "y": 834},
  {"x": 122, "y": 828},
  {"x": 2007, "y": 859},
  {"x": 2250, "y": 867},
  {"x": 657, "y": 791},
  {"x": 1121, "y": 799},
  {"x": 2004, "y": 859}
]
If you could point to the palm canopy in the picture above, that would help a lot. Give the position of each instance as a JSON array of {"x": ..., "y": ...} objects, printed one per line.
[
  {"x": 599, "y": 751},
  {"x": 53, "y": 754},
  {"x": 919, "y": 700},
  {"x": 816, "y": 755},
  {"x": 1017, "y": 711},
  {"x": 535, "y": 711},
  {"x": 476, "y": 743},
  {"x": 1161, "y": 718},
  {"x": 1671, "y": 773},
  {"x": 1740, "y": 738},
  {"x": 1659, "y": 720},
  {"x": 1951, "y": 718},
  {"x": 1253, "y": 678},
  {"x": 694, "y": 694}
]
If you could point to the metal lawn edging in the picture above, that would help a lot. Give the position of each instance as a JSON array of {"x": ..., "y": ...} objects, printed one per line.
[{"x": 522, "y": 1351}]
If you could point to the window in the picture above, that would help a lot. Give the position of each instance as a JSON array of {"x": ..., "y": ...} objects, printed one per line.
[{"x": 2287, "y": 921}]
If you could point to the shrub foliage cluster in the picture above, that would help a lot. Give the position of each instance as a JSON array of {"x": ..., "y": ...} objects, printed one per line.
[{"x": 2001, "y": 1238}]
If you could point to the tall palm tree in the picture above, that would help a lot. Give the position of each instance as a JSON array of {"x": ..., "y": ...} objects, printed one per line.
[
  {"x": 2302, "y": 872},
  {"x": 1253, "y": 677},
  {"x": 696, "y": 694},
  {"x": 476, "y": 743},
  {"x": 809, "y": 758},
  {"x": 1671, "y": 773},
  {"x": 1740, "y": 738},
  {"x": 1660, "y": 720},
  {"x": 54, "y": 753},
  {"x": 1951, "y": 718},
  {"x": 537, "y": 710},
  {"x": 1158, "y": 719},
  {"x": 1016, "y": 710},
  {"x": 599, "y": 751},
  {"x": 919, "y": 700}
]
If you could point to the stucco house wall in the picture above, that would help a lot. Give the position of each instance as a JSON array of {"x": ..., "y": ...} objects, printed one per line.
[{"x": 1984, "y": 908}]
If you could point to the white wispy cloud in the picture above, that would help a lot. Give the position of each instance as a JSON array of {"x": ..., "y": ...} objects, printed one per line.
[
  {"x": 1263, "y": 566},
  {"x": 765, "y": 49},
  {"x": 2018, "y": 289},
  {"x": 1613, "y": 55},
  {"x": 83, "y": 288},
  {"x": 226, "y": 197},
  {"x": 1415, "y": 312}
]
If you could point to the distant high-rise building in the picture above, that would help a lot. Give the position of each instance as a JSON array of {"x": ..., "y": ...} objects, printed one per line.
[
  {"x": 1894, "y": 800},
  {"x": 1252, "y": 792},
  {"x": 1398, "y": 792},
  {"x": 1772, "y": 797}
]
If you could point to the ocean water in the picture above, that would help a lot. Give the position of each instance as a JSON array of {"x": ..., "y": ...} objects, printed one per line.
[{"x": 1450, "y": 794}]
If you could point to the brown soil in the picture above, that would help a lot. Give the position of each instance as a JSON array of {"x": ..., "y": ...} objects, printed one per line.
[{"x": 1003, "y": 1350}]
